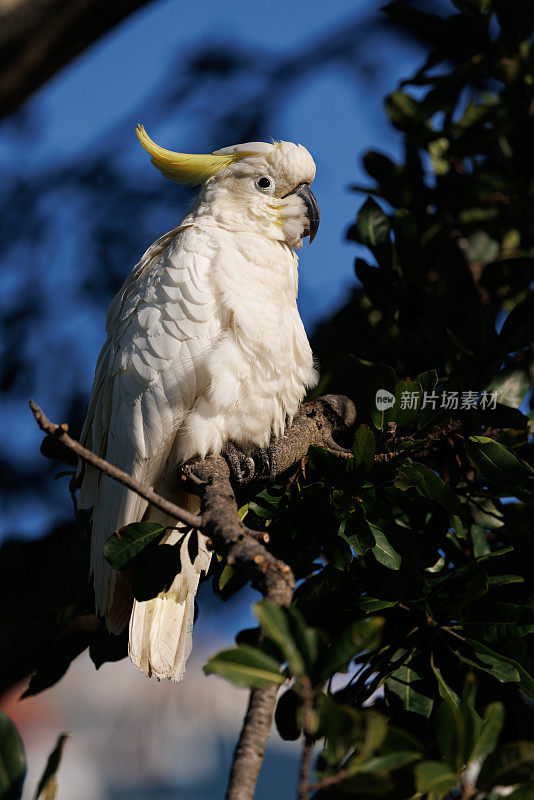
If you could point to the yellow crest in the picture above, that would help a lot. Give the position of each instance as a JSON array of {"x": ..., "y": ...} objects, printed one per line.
[{"x": 183, "y": 167}]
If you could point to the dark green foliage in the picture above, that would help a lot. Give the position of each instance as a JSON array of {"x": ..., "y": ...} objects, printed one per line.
[
  {"x": 414, "y": 559},
  {"x": 13, "y": 764},
  {"x": 12, "y": 760}
]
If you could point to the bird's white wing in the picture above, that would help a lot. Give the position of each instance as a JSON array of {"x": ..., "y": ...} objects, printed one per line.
[{"x": 160, "y": 326}]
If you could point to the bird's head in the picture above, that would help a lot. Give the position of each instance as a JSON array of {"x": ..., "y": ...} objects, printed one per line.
[{"x": 254, "y": 186}]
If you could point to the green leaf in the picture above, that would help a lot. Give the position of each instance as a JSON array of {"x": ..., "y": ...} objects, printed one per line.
[
  {"x": 511, "y": 386},
  {"x": 376, "y": 728},
  {"x": 371, "y": 736},
  {"x": 509, "y": 666},
  {"x": 47, "y": 788},
  {"x": 518, "y": 329},
  {"x": 489, "y": 735},
  {"x": 435, "y": 776},
  {"x": 364, "y": 448},
  {"x": 390, "y": 761},
  {"x": 12, "y": 760},
  {"x": 229, "y": 582},
  {"x": 428, "y": 485},
  {"x": 124, "y": 546},
  {"x": 408, "y": 395},
  {"x": 383, "y": 551},
  {"x": 341, "y": 725},
  {"x": 512, "y": 763},
  {"x": 428, "y": 380},
  {"x": 245, "y": 666},
  {"x": 366, "y": 605},
  {"x": 266, "y": 504},
  {"x": 287, "y": 628},
  {"x": 404, "y": 682},
  {"x": 358, "y": 637},
  {"x": 496, "y": 463},
  {"x": 480, "y": 542},
  {"x": 445, "y": 690},
  {"x": 372, "y": 225},
  {"x": 356, "y": 531},
  {"x": 381, "y": 382},
  {"x": 450, "y": 735}
]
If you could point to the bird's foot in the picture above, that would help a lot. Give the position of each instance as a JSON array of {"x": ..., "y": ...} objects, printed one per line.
[
  {"x": 240, "y": 464},
  {"x": 269, "y": 462}
]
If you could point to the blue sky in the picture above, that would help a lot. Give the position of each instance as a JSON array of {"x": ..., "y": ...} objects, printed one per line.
[{"x": 92, "y": 106}]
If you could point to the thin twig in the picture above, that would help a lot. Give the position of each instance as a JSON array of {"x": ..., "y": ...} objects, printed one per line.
[
  {"x": 60, "y": 432},
  {"x": 330, "y": 780}
]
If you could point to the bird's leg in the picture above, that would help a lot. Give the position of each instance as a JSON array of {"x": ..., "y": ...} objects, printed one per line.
[{"x": 240, "y": 464}]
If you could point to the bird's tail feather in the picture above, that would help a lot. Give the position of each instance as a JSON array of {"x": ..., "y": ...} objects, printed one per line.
[{"x": 161, "y": 628}]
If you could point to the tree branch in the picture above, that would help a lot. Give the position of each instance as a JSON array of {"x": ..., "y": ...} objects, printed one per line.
[
  {"x": 243, "y": 548},
  {"x": 250, "y": 749},
  {"x": 306, "y": 693},
  {"x": 60, "y": 432},
  {"x": 38, "y": 38}
]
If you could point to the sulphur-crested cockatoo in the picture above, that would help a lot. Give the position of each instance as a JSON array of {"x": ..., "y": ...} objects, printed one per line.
[{"x": 205, "y": 347}]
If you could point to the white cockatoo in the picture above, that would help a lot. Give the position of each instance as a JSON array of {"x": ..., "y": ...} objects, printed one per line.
[{"x": 205, "y": 347}]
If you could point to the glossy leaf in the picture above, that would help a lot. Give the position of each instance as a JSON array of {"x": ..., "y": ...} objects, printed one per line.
[
  {"x": 405, "y": 683},
  {"x": 245, "y": 666},
  {"x": 123, "y": 548},
  {"x": 496, "y": 463},
  {"x": 383, "y": 550}
]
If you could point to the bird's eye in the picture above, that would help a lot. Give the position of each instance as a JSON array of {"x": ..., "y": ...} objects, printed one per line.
[{"x": 265, "y": 184}]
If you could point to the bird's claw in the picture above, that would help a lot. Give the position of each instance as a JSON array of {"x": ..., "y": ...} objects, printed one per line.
[
  {"x": 240, "y": 464},
  {"x": 269, "y": 462}
]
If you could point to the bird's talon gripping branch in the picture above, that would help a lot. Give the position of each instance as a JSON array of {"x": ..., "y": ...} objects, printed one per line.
[
  {"x": 269, "y": 462},
  {"x": 241, "y": 465}
]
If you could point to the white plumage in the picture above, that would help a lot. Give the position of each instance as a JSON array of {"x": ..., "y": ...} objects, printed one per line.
[{"x": 205, "y": 345}]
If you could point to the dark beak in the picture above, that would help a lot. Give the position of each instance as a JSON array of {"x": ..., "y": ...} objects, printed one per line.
[{"x": 312, "y": 207}]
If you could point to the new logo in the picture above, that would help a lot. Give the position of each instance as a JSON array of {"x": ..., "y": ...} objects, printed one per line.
[{"x": 384, "y": 399}]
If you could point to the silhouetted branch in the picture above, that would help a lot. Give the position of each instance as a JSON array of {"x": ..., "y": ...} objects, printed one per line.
[{"x": 38, "y": 38}]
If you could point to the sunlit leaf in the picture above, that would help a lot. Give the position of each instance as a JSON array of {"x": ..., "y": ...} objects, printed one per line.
[
  {"x": 245, "y": 666},
  {"x": 124, "y": 546}
]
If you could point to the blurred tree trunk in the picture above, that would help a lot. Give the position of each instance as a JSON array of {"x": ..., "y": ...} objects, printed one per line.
[{"x": 38, "y": 37}]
